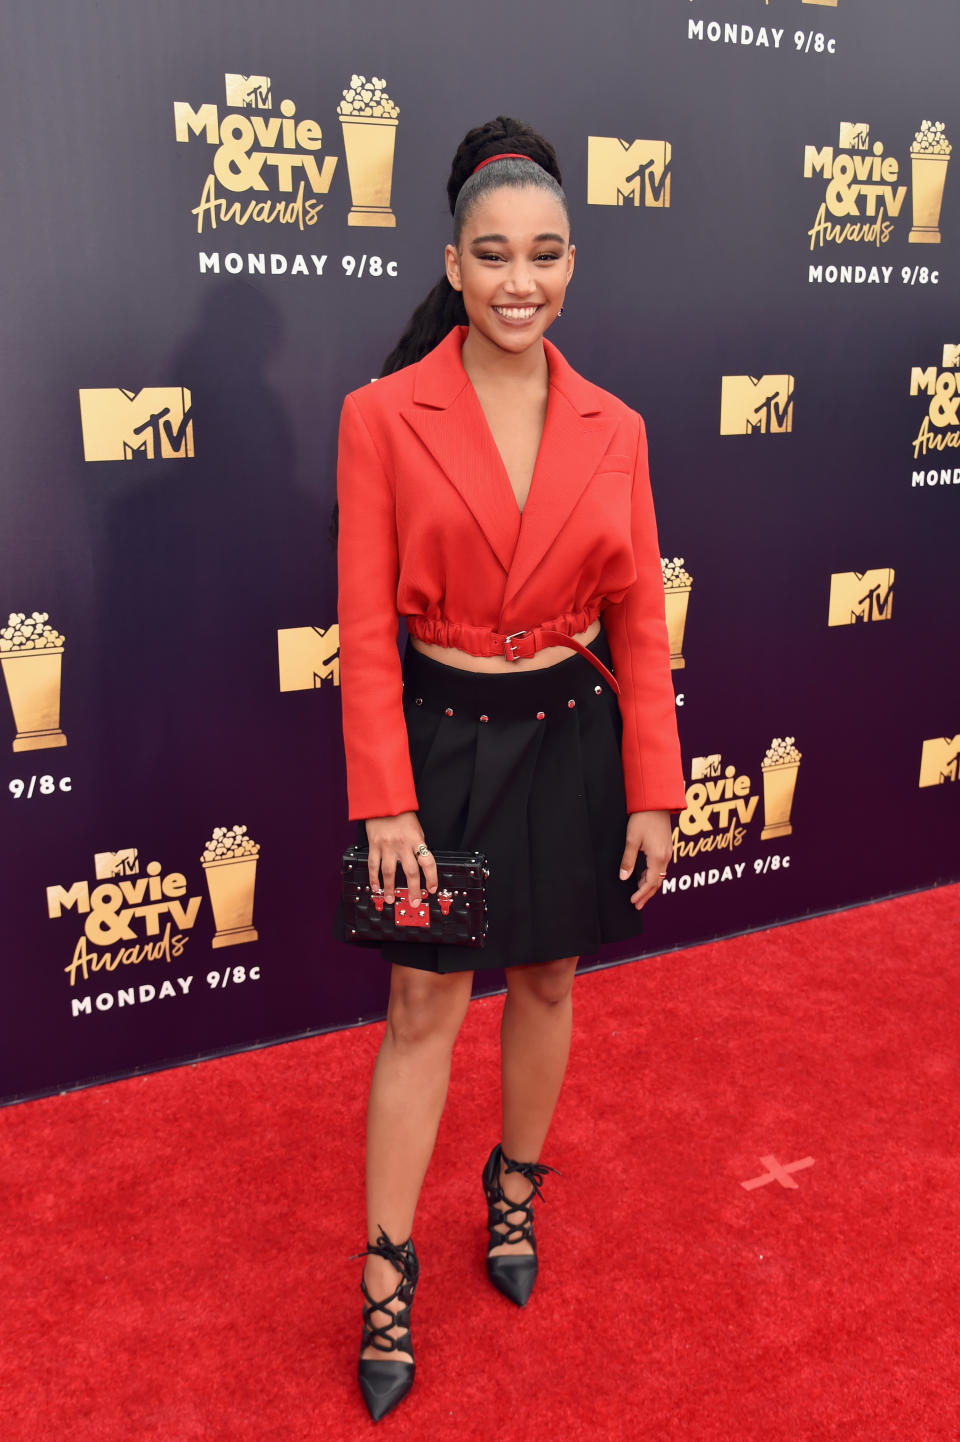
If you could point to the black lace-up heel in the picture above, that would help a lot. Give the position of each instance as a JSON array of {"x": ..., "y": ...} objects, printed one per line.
[
  {"x": 384, "y": 1384},
  {"x": 513, "y": 1276}
]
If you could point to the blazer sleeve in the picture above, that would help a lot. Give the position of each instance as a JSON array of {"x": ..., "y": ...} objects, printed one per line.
[
  {"x": 640, "y": 648},
  {"x": 379, "y": 774}
]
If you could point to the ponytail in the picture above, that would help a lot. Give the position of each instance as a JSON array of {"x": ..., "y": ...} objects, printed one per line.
[{"x": 434, "y": 317}]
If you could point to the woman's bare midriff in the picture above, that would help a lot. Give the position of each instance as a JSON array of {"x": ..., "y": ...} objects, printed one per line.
[{"x": 549, "y": 656}]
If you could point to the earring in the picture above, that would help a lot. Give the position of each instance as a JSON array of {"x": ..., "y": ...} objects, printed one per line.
[{"x": 559, "y": 312}]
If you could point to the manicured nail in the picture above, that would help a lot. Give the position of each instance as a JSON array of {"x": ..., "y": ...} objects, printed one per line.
[
  {"x": 623, "y": 873},
  {"x": 432, "y": 890}
]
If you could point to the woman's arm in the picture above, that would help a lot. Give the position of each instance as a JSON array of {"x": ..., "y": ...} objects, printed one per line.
[
  {"x": 639, "y": 645},
  {"x": 379, "y": 774}
]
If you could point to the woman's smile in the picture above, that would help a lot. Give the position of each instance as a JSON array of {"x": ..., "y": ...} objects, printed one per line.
[{"x": 517, "y": 314}]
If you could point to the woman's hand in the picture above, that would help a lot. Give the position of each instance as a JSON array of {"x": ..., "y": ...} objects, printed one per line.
[
  {"x": 651, "y": 833},
  {"x": 392, "y": 839}
]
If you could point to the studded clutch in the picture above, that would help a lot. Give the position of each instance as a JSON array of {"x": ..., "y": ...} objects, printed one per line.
[{"x": 455, "y": 915}]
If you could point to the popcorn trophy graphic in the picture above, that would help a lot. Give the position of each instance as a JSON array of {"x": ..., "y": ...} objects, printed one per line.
[
  {"x": 230, "y": 861},
  {"x": 31, "y": 653},
  {"x": 368, "y": 118},
  {"x": 676, "y": 591},
  {"x": 930, "y": 156},
  {"x": 780, "y": 767}
]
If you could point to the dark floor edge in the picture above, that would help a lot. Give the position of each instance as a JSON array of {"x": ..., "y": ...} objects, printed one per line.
[{"x": 241, "y": 1047}]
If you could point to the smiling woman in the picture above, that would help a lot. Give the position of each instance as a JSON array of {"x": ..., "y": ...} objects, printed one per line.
[
  {"x": 511, "y": 260},
  {"x": 500, "y": 504}
]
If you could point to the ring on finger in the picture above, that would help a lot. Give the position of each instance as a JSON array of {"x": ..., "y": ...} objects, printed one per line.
[{"x": 422, "y": 850}]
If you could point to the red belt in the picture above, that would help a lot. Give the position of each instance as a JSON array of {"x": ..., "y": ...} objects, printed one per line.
[{"x": 518, "y": 645}]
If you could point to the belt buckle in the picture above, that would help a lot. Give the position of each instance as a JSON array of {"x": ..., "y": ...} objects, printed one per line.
[{"x": 510, "y": 649}]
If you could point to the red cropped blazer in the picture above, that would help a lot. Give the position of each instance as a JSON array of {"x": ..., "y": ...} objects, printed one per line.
[{"x": 430, "y": 530}]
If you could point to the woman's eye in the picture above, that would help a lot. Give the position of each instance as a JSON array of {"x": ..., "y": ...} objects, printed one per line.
[{"x": 548, "y": 256}]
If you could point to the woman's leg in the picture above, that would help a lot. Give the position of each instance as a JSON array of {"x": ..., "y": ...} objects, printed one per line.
[
  {"x": 407, "y": 1096},
  {"x": 534, "y": 1045}
]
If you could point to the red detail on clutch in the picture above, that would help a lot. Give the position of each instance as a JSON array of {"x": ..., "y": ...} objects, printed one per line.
[{"x": 406, "y": 915}]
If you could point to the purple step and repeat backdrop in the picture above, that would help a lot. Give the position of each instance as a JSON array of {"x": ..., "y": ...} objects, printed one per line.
[{"x": 218, "y": 218}]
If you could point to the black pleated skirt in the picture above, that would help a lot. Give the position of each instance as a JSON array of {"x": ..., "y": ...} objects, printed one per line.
[{"x": 524, "y": 766}]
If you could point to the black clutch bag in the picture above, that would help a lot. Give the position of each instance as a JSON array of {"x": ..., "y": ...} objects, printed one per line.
[{"x": 455, "y": 915}]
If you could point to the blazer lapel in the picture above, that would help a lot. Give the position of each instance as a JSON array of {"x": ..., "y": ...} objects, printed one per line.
[
  {"x": 576, "y": 435},
  {"x": 448, "y": 419}
]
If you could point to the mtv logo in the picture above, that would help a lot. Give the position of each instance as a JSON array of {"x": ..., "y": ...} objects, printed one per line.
[
  {"x": 854, "y": 135},
  {"x": 860, "y": 596},
  {"x": 308, "y": 656},
  {"x": 155, "y": 423},
  {"x": 116, "y": 863},
  {"x": 702, "y": 766},
  {"x": 622, "y": 173},
  {"x": 751, "y": 405},
  {"x": 951, "y": 358},
  {"x": 248, "y": 92},
  {"x": 940, "y": 761}
]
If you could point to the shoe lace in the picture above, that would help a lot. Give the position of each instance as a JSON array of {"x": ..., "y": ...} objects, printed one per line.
[
  {"x": 404, "y": 1259},
  {"x": 535, "y": 1173}
]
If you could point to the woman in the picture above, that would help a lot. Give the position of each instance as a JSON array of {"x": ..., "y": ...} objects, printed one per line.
[{"x": 500, "y": 503}]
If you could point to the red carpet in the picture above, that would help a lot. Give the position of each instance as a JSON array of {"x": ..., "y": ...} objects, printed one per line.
[{"x": 175, "y": 1260}]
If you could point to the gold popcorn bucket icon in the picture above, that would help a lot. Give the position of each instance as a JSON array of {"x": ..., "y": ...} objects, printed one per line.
[
  {"x": 33, "y": 685},
  {"x": 779, "y": 783},
  {"x": 369, "y": 142},
  {"x": 929, "y": 177},
  {"x": 231, "y": 882},
  {"x": 677, "y": 599}
]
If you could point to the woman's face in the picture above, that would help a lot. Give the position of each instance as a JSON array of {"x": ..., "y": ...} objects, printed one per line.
[{"x": 512, "y": 265}]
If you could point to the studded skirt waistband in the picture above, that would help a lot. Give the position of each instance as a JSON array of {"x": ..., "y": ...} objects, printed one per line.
[{"x": 489, "y": 696}]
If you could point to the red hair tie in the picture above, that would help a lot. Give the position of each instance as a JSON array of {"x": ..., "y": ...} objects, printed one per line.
[{"x": 507, "y": 155}]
